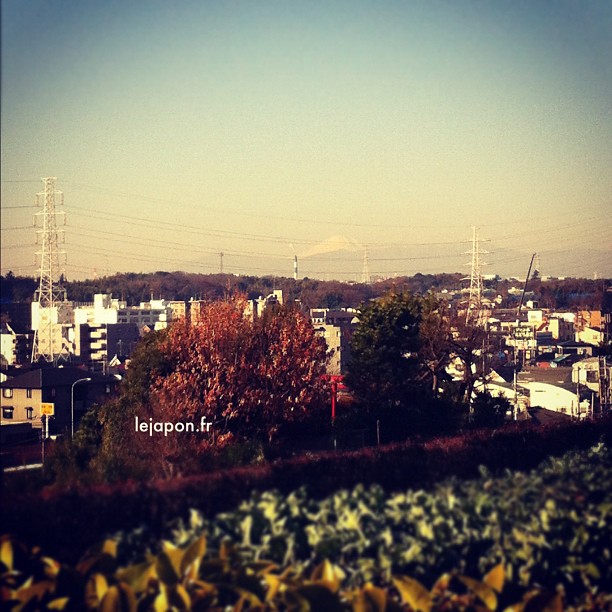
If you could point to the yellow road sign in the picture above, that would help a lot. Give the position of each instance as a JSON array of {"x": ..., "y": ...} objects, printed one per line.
[{"x": 47, "y": 409}]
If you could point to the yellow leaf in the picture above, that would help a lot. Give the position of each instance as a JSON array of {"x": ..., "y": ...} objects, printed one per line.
[
  {"x": 52, "y": 567},
  {"x": 161, "y": 602},
  {"x": 101, "y": 585},
  {"x": 178, "y": 598},
  {"x": 58, "y": 604},
  {"x": 545, "y": 602},
  {"x": 6, "y": 554},
  {"x": 315, "y": 597},
  {"x": 119, "y": 597},
  {"x": 168, "y": 566},
  {"x": 274, "y": 584},
  {"x": 413, "y": 593},
  {"x": 34, "y": 590},
  {"x": 96, "y": 589},
  {"x": 261, "y": 568},
  {"x": 225, "y": 550},
  {"x": 442, "y": 584},
  {"x": 357, "y": 600},
  {"x": 192, "y": 557},
  {"x": 375, "y": 597},
  {"x": 110, "y": 547},
  {"x": 239, "y": 605},
  {"x": 484, "y": 592},
  {"x": 495, "y": 578},
  {"x": 329, "y": 574},
  {"x": 137, "y": 576}
]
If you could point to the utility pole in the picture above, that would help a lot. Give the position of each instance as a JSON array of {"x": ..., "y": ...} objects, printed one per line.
[
  {"x": 295, "y": 267},
  {"x": 50, "y": 295},
  {"x": 221, "y": 263},
  {"x": 604, "y": 385}
]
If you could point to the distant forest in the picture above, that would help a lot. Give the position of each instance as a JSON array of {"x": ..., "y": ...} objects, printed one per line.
[{"x": 138, "y": 287}]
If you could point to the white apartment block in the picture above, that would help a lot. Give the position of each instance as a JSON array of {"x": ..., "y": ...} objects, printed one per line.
[{"x": 106, "y": 310}]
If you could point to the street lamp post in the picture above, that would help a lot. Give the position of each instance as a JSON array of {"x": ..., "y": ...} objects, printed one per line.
[{"x": 72, "y": 403}]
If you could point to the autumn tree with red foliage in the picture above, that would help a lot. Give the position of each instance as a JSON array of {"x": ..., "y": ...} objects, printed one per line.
[{"x": 246, "y": 377}]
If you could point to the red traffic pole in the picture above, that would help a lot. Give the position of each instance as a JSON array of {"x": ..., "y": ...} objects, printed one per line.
[{"x": 334, "y": 389}]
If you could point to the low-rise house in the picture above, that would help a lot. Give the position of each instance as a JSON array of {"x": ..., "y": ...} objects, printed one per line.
[
  {"x": 560, "y": 328},
  {"x": 255, "y": 308},
  {"x": 577, "y": 348},
  {"x": 554, "y": 390},
  {"x": 496, "y": 386},
  {"x": 70, "y": 391},
  {"x": 595, "y": 373},
  {"x": 588, "y": 318},
  {"x": 562, "y": 398},
  {"x": 590, "y": 335}
]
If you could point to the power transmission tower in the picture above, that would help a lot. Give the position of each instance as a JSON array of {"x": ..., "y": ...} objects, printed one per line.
[
  {"x": 365, "y": 275},
  {"x": 50, "y": 297},
  {"x": 474, "y": 304}
]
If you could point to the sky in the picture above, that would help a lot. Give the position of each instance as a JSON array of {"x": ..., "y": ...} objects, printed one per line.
[{"x": 367, "y": 138}]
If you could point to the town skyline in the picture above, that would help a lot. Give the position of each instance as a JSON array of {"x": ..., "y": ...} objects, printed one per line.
[{"x": 354, "y": 136}]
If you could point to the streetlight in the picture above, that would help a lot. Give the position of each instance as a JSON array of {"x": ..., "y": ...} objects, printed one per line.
[{"x": 72, "y": 403}]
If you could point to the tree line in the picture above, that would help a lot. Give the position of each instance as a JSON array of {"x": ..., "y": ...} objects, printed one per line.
[{"x": 311, "y": 293}]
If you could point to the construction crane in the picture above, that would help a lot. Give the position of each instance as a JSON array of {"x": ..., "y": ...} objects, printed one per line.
[{"x": 518, "y": 312}]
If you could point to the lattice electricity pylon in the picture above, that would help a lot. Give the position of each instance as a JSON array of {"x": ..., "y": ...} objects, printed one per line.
[
  {"x": 537, "y": 265},
  {"x": 50, "y": 295},
  {"x": 365, "y": 274},
  {"x": 474, "y": 304}
]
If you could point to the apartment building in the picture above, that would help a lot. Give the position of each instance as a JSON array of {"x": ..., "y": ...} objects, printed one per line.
[{"x": 336, "y": 326}]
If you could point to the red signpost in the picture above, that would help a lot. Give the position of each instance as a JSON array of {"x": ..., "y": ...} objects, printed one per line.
[{"x": 335, "y": 382}]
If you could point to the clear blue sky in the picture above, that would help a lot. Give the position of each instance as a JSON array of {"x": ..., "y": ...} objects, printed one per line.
[{"x": 179, "y": 130}]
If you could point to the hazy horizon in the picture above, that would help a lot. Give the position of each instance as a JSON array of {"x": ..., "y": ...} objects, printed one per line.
[{"x": 179, "y": 131}]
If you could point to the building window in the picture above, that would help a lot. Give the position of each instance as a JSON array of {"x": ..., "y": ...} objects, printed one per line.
[
  {"x": 29, "y": 413},
  {"x": 7, "y": 412},
  {"x": 29, "y": 393},
  {"x": 7, "y": 393}
]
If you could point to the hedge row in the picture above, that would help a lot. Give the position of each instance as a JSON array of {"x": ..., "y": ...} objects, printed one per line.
[
  {"x": 66, "y": 522},
  {"x": 189, "y": 579}
]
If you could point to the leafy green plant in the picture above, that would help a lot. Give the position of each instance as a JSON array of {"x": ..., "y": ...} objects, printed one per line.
[
  {"x": 548, "y": 527},
  {"x": 186, "y": 579}
]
